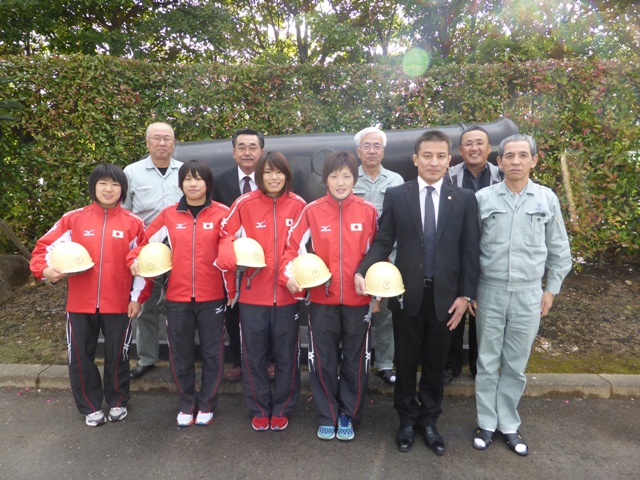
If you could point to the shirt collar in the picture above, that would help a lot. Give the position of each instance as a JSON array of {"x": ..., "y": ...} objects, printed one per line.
[
  {"x": 173, "y": 164},
  {"x": 383, "y": 172},
  {"x": 241, "y": 175},
  {"x": 437, "y": 186}
]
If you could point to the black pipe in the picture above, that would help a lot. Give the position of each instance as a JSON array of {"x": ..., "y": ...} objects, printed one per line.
[{"x": 306, "y": 152}]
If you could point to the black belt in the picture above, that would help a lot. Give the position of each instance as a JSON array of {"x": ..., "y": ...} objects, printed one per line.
[{"x": 428, "y": 282}]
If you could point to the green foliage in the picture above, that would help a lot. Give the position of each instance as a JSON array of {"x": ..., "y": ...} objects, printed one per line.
[
  {"x": 82, "y": 110},
  {"x": 319, "y": 32}
]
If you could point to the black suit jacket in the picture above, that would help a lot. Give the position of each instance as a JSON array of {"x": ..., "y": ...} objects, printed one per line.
[
  {"x": 226, "y": 186},
  {"x": 457, "y": 264}
]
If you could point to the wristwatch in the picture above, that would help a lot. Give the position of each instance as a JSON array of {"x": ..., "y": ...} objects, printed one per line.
[{"x": 468, "y": 299}]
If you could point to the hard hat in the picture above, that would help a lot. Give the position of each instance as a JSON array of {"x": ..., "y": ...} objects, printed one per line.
[
  {"x": 70, "y": 257},
  {"x": 249, "y": 253},
  {"x": 309, "y": 270},
  {"x": 154, "y": 259},
  {"x": 383, "y": 279}
]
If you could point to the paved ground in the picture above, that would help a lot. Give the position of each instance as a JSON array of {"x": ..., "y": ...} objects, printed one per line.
[{"x": 42, "y": 436}]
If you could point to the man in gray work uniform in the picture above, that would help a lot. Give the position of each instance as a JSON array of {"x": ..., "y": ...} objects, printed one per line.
[
  {"x": 153, "y": 185},
  {"x": 373, "y": 181},
  {"x": 522, "y": 236}
]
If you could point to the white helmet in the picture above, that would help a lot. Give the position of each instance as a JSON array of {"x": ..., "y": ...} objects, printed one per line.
[
  {"x": 383, "y": 279},
  {"x": 154, "y": 259},
  {"x": 309, "y": 270},
  {"x": 249, "y": 253},
  {"x": 70, "y": 257}
]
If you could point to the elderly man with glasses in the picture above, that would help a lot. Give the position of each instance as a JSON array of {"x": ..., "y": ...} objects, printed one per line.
[
  {"x": 373, "y": 181},
  {"x": 153, "y": 185}
]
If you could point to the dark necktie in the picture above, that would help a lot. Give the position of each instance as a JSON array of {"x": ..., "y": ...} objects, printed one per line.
[
  {"x": 246, "y": 188},
  {"x": 429, "y": 234}
]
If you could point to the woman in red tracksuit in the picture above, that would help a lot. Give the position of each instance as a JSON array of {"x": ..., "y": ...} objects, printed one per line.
[
  {"x": 104, "y": 297},
  {"x": 268, "y": 312},
  {"x": 196, "y": 297},
  {"x": 341, "y": 227}
]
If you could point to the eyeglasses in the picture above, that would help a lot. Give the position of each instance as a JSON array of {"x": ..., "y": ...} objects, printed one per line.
[
  {"x": 244, "y": 148},
  {"x": 376, "y": 147},
  {"x": 164, "y": 138}
]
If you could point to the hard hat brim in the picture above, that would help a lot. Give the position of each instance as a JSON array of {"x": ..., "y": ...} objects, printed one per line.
[
  {"x": 154, "y": 273},
  {"x": 251, "y": 265},
  {"x": 375, "y": 293},
  {"x": 80, "y": 269}
]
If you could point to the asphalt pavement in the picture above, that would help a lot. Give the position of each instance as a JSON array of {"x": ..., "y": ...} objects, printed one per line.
[{"x": 42, "y": 436}]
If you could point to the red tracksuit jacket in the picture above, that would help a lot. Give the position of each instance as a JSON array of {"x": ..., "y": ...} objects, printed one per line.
[
  {"x": 267, "y": 220},
  {"x": 194, "y": 244},
  {"x": 108, "y": 235},
  {"x": 341, "y": 232}
]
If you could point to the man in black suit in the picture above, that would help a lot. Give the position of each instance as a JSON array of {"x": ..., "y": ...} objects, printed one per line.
[
  {"x": 435, "y": 225},
  {"x": 248, "y": 147}
]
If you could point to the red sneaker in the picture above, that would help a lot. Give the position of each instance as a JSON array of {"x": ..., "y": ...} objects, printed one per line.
[
  {"x": 279, "y": 423},
  {"x": 260, "y": 424}
]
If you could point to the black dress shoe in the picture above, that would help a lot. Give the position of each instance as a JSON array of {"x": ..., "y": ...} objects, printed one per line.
[
  {"x": 139, "y": 370},
  {"x": 404, "y": 438},
  {"x": 434, "y": 440},
  {"x": 447, "y": 376}
]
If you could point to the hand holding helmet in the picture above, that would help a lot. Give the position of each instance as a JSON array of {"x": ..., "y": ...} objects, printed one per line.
[
  {"x": 67, "y": 258},
  {"x": 383, "y": 280},
  {"x": 154, "y": 259}
]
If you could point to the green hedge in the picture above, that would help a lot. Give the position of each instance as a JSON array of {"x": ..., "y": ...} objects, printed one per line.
[{"x": 82, "y": 110}]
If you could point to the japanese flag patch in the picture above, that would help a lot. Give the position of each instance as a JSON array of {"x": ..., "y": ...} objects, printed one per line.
[
  {"x": 207, "y": 225},
  {"x": 288, "y": 222},
  {"x": 356, "y": 227},
  {"x": 117, "y": 234}
]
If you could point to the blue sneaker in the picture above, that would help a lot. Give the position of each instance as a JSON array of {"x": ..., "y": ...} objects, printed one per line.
[
  {"x": 345, "y": 428},
  {"x": 326, "y": 432}
]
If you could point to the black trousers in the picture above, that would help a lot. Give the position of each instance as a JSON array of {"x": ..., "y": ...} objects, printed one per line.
[
  {"x": 183, "y": 320},
  {"x": 83, "y": 330},
  {"x": 454, "y": 359},
  {"x": 339, "y": 382},
  {"x": 279, "y": 326},
  {"x": 420, "y": 340},
  {"x": 232, "y": 324}
]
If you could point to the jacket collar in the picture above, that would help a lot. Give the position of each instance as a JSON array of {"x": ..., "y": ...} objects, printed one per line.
[
  {"x": 336, "y": 203},
  {"x": 184, "y": 207},
  {"x": 110, "y": 211}
]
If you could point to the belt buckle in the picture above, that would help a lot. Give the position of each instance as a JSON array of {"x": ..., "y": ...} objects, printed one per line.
[{"x": 428, "y": 282}]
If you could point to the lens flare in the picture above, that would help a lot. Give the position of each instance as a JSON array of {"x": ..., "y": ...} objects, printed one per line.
[{"x": 415, "y": 62}]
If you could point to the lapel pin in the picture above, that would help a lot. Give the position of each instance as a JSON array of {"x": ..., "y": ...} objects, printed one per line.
[{"x": 449, "y": 197}]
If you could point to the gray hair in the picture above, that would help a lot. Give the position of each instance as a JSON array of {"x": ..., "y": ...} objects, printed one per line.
[
  {"x": 518, "y": 137},
  {"x": 154, "y": 124},
  {"x": 358, "y": 136}
]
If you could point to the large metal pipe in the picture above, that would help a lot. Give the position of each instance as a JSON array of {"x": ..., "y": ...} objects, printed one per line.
[{"x": 306, "y": 152}]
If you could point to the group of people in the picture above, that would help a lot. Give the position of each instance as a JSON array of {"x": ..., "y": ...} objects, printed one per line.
[{"x": 472, "y": 241}]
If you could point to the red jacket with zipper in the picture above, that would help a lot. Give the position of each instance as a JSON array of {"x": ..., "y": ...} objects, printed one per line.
[
  {"x": 108, "y": 235},
  {"x": 194, "y": 244},
  {"x": 267, "y": 220},
  {"x": 341, "y": 232}
]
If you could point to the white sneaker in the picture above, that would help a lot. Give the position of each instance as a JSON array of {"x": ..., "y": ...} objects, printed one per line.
[
  {"x": 204, "y": 418},
  {"x": 117, "y": 413},
  {"x": 95, "y": 419},
  {"x": 184, "y": 419}
]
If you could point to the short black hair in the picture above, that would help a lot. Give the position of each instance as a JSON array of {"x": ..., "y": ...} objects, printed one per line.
[
  {"x": 432, "y": 136},
  {"x": 112, "y": 172},
  {"x": 197, "y": 168},
  {"x": 247, "y": 131},
  {"x": 337, "y": 161},
  {"x": 278, "y": 161},
  {"x": 475, "y": 128}
]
